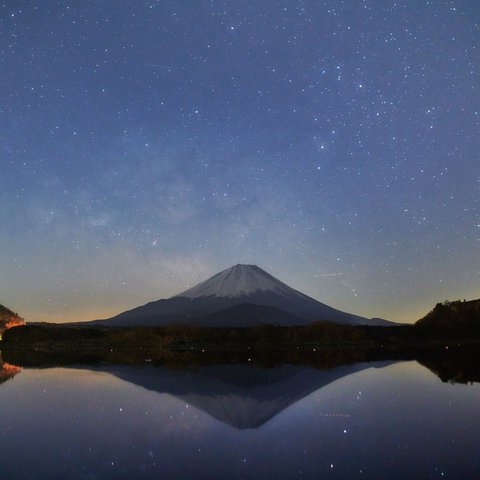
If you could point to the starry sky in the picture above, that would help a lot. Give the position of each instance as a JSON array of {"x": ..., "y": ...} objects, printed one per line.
[{"x": 145, "y": 146}]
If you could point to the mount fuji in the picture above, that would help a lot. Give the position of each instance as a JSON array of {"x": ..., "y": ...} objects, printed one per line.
[
  {"x": 243, "y": 295},
  {"x": 243, "y": 396}
]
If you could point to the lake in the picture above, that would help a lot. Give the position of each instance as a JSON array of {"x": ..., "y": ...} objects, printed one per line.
[{"x": 377, "y": 420}]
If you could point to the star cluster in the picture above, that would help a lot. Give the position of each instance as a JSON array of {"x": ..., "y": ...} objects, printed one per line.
[{"x": 147, "y": 145}]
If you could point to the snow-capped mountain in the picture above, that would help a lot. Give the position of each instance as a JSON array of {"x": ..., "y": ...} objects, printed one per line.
[
  {"x": 238, "y": 296},
  {"x": 242, "y": 396},
  {"x": 238, "y": 281}
]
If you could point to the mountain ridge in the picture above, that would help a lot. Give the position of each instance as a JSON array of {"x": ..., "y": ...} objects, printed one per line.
[
  {"x": 236, "y": 281},
  {"x": 9, "y": 319},
  {"x": 234, "y": 286},
  {"x": 242, "y": 396}
]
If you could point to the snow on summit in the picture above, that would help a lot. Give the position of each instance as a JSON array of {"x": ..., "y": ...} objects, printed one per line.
[
  {"x": 238, "y": 281},
  {"x": 243, "y": 295}
]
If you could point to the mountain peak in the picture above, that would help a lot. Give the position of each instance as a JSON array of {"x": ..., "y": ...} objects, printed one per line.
[
  {"x": 242, "y": 295},
  {"x": 237, "y": 281},
  {"x": 243, "y": 266}
]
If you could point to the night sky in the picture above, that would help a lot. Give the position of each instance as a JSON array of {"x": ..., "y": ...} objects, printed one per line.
[{"x": 145, "y": 146}]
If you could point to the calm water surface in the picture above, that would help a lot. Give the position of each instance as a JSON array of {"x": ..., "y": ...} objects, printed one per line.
[{"x": 373, "y": 421}]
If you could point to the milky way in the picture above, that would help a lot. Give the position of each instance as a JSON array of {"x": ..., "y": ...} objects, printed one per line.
[{"x": 147, "y": 145}]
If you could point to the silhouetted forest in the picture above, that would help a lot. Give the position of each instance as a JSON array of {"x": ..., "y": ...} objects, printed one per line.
[
  {"x": 182, "y": 336},
  {"x": 446, "y": 340},
  {"x": 456, "y": 363},
  {"x": 448, "y": 322},
  {"x": 452, "y": 319}
]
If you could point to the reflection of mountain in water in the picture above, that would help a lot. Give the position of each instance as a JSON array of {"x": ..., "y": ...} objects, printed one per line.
[
  {"x": 8, "y": 371},
  {"x": 246, "y": 396},
  {"x": 242, "y": 396}
]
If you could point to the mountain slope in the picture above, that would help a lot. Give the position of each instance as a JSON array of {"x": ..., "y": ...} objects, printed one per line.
[
  {"x": 452, "y": 319},
  {"x": 248, "y": 314},
  {"x": 240, "y": 284},
  {"x": 239, "y": 395},
  {"x": 9, "y": 319},
  {"x": 238, "y": 281}
]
